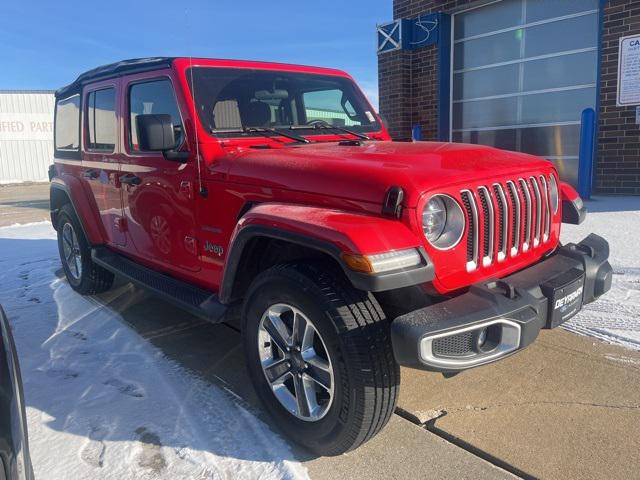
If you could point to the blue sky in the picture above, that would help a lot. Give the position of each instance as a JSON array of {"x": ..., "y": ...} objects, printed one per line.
[{"x": 46, "y": 44}]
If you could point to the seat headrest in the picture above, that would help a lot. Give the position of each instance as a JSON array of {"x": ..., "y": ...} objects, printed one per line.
[{"x": 257, "y": 114}]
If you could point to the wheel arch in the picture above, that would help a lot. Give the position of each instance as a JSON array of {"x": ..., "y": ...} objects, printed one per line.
[
  {"x": 64, "y": 191},
  {"x": 314, "y": 232}
]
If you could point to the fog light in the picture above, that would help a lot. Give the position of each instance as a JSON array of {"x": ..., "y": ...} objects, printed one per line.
[
  {"x": 488, "y": 338},
  {"x": 482, "y": 338}
]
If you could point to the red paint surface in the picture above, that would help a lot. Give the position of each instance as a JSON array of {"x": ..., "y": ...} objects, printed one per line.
[{"x": 323, "y": 190}]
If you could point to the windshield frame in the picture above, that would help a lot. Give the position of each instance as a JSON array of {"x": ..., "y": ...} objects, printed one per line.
[{"x": 244, "y": 132}]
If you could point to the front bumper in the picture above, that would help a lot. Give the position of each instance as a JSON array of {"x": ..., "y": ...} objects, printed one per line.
[{"x": 448, "y": 336}]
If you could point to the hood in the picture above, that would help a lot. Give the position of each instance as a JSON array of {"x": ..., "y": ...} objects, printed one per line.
[{"x": 365, "y": 172}]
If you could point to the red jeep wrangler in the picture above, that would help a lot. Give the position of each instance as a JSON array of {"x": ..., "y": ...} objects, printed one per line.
[{"x": 276, "y": 188}]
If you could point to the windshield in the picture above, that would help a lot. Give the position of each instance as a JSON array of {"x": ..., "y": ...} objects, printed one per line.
[{"x": 229, "y": 100}]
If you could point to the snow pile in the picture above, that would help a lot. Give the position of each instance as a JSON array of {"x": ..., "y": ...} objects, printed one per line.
[
  {"x": 103, "y": 403},
  {"x": 615, "y": 317}
]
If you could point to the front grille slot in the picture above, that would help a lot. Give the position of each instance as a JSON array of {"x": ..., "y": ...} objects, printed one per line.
[
  {"x": 547, "y": 209},
  {"x": 524, "y": 189},
  {"x": 539, "y": 211},
  {"x": 515, "y": 218},
  {"x": 471, "y": 209},
  {"x": 506, "y": 219},
  {"x": 488, "y": 231},
  {"x": 503, "y": 221}
]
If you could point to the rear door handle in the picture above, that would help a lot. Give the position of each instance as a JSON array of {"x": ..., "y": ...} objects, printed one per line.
[
  {"x": 90, "y": 174},
  {"x": 130, "y": 179}
]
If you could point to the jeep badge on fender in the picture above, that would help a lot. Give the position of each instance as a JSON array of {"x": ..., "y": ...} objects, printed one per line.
[{"x": 349, "y": 254}]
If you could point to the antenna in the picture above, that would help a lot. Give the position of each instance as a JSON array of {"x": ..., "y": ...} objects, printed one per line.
[{"x": 201, "y": 188}]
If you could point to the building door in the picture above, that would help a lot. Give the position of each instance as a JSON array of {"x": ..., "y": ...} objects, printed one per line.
[{"x": 522, "y": 72}]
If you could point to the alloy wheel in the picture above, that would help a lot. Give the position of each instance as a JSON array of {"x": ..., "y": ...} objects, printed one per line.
[
  {"x": 71, "y": 250},
  {"x": 295, "y": 362}
]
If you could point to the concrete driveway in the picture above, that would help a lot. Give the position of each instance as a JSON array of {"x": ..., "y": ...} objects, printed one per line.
[{"x": 567, "y": 407}]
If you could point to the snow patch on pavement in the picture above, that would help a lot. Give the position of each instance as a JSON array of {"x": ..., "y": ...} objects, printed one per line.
[
  {"x": 614, "y": 317},
  {"x": 102, "y": 402}
]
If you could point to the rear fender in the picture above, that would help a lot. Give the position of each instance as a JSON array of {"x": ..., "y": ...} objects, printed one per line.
[
  {"x": 332, "y": 232},
  {"x": 81, "y": 203}
]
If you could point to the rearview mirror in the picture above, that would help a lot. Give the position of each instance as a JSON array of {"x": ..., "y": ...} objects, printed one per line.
[{"x": 155, "y": 132}]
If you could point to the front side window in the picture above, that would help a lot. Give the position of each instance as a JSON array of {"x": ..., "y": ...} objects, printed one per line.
[
  {"x": 67, "y": 123},
  {"x": 101, "y": 120},
  {"x": 235, "y": 99},
  {"x": 155, "y": 97}
]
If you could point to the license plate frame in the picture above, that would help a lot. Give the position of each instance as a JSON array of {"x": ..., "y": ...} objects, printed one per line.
[{"x": 565, "y": 296}]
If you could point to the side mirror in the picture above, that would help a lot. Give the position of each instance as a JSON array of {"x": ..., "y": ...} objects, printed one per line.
[{"x": 155, "y": 132}]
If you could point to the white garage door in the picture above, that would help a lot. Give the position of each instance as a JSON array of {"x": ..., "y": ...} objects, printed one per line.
[{"x": 523, "y": 71}]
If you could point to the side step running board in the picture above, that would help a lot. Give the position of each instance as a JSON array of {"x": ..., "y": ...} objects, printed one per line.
[{"x": 193, "y": 299}]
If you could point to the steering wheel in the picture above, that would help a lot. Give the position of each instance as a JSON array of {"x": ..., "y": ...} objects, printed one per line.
[{"x": 318, "y": 121}]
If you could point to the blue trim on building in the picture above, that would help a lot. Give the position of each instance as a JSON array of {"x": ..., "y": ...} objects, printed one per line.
[
  {"x": 594, "y": 156},
  {"x": 444, "y": 76}
]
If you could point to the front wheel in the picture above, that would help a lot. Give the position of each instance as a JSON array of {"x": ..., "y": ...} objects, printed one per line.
[{"x": 319, "y": 356}]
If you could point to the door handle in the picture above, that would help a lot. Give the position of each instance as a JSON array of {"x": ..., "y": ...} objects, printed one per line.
[
  {"x": 90, "y": 174},
  {"x": 130, "y": 179}
]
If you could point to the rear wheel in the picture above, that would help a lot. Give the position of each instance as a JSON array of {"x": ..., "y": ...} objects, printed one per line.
[
  {"x": 84, "y": 276},
  {"x": 319, "y": 356}
]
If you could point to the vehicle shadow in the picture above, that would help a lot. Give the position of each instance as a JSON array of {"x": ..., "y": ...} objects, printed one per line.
[{"x": 125, "y": 366}]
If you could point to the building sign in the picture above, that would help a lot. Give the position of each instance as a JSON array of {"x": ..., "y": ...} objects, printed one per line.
[
  {"x": 26, "y": 126},
  {"x": 424, "y": 30},
  {"x": 390, "y": 36},
  {"x": 629, "y": 71},
  {"x": 409, "y": 34}
]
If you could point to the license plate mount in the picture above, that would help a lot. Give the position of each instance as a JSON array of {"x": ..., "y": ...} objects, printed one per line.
[{"x": 564, "y": 294}]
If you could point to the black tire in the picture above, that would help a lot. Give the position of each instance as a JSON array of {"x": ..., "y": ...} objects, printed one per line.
[
  {"x": 356, "y": 333},
  {"x": 91, "y": 279}
]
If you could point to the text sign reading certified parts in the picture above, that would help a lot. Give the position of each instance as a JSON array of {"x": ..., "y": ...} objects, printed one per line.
[{"x": 629, "y": 71}]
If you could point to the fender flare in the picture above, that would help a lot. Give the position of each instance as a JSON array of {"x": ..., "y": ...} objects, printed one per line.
[
  {"x": 330, "y": 232},
  {"x": 70, "y": 185}
]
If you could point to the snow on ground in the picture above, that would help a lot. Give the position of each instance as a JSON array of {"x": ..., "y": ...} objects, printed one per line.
[
  {"x": 102, "y": 403},
  {"x": 615, "y": 317}
]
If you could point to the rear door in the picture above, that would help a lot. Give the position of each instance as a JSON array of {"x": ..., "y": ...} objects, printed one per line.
[
  {"x": 158, "y": 194},
  {"x": 100, "y": 163}
]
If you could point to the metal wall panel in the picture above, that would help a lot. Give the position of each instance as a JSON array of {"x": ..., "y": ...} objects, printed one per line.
[{"x": 26, "y": 135}]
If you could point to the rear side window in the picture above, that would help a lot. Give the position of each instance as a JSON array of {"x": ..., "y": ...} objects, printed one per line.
[
  {"x": 152, "y": 98},
  {"x": 101, "y": 120},
  {"x": 67, "y": 121}
]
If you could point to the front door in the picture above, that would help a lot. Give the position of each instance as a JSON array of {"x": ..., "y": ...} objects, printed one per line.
[
  {"x": 100, "y": 168},
  {"x": 158, "y": 194}
]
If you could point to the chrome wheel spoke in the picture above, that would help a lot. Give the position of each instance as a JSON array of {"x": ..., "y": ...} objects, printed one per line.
[
  {"x": 72, "y": 256},
  {"x": 301, "y": 330},
  {"x": 277, "y": 330},
  {"x": 319, "y": 371},
  {"x": 302, "y": 399},
  {"x": 277, "y": 371}
]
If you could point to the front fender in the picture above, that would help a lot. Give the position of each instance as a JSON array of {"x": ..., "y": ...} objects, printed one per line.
[{"x": 332, "y": 232}]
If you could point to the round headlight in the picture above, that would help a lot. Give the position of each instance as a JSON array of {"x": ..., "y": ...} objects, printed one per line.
[
  {"x": 434, "y": 218},
  {"x": 443, "y": 222},
  {"x": 553, "y": 192}
]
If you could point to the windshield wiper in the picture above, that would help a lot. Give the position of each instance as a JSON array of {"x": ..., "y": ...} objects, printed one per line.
[
  {"x": 264, "y": 131},
  {"x": 318, "y": 124}
]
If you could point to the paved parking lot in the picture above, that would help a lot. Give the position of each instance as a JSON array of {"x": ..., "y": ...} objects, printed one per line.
[{"x": 567, "y": 407}]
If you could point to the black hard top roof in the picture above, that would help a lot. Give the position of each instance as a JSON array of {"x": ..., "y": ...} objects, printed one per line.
[{"x": 113, "y": 70}]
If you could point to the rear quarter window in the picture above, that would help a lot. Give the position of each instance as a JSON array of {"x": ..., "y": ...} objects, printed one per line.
[{"x": 67, "y": 124}]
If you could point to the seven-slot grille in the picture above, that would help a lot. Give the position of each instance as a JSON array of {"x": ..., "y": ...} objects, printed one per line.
[{"x": 506, "y": 219}]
